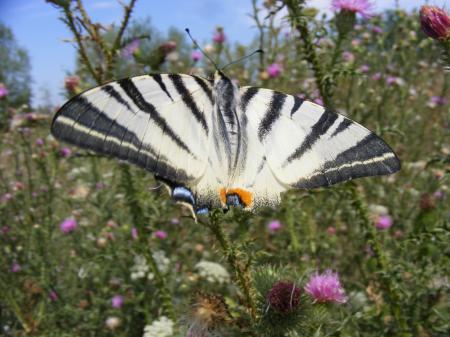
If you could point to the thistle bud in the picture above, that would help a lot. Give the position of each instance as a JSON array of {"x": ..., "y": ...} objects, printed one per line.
[
  {"x": 284, "y": 297},
  {"x": 435, "y": 22}
]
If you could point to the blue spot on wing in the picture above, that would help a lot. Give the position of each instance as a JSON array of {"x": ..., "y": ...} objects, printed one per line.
[
  {"x": 233, "y": 200},
  {"x": 181, "y": 193},
  {"x": 202, "y": 211}
]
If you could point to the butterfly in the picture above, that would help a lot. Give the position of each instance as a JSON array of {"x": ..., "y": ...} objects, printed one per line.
[{"x": 215, "y": 144}]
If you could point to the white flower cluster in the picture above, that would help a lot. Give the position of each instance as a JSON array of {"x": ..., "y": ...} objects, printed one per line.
[
  {"x": 163, "y": 327},
  {"x": 212, "y": 272},
  {"x": 141, "y": 269}
]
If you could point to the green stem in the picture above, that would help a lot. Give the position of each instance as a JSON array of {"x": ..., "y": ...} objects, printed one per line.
[
  {"x": 240, "y": 270},
  {"x": 382, "y": 261}
]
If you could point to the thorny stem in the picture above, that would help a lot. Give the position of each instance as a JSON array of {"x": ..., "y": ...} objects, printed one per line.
[
  {"x": 240, "y": 270},
  {"x": 382, "y": 261},
  {"x": 295, "y": 10}
]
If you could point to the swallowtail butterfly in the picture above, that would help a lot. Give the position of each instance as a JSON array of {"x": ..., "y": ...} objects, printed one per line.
[{"x": 215, "y": 144}]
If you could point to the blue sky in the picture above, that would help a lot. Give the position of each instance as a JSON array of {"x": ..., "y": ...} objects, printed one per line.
[{"x": 37, "y": 28}]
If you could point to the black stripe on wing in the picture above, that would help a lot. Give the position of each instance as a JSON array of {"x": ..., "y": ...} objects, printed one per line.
[
  {"x": 272, "y": 114},
  {"x": 297, "y": 104},
  {"x": 92, "y": 129},
  {"x": 206, "y": 87},
  {"x": 247, "y": 96},
  {"x": 186, "y": 96},
  {"x": 133, "y": 92},
  {"x": 318, "y": 130},
  {"x": 158, "y": 79},
  {"x": 369, "y": 157}
]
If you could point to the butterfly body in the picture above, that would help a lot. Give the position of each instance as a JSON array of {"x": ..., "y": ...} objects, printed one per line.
[{"x": 214, "y": 144}]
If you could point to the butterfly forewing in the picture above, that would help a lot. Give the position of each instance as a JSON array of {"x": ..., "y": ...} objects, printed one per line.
[{"x": 148, "y": 120}]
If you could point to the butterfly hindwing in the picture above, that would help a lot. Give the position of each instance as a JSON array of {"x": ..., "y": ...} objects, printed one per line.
[
  {"x": 309, "y": 146},
  {"x": 159, "y": 122}
]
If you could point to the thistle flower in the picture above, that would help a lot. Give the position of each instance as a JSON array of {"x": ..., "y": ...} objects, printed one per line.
[
  {"x": 68, "y": 225},
  {"x": 208, "y": 313},
  {"x": 274, "y": 70},
  {"x": 361, "y": 7},
  {"x": 274, "y": 226},
  {"x": 130, "y": 48},
  {"x": 162, "y": 327},
  {"x": 326, "y": 287},
  {"x": 196, "y": 55},
  {"x": 134, "y": 233},
  {"x": 3, "y": 90},
  {"x": 435, "y": 22},
  {"x": 71, "y": 83},
  {"x": 39, "y": 142},
  {"x": 383, "y": 222},
  {"x": 117, "y": 301},
  {"x": 348, "y": 56},
  {"x": 15, "y": 268},
  {"x": 53, "y": 296},
  {"x": 65, "y": 152},
  {"x": 160, "y": 234},
  {"x": 219, "y": 36},
  {"x": 284, "y": 297}
]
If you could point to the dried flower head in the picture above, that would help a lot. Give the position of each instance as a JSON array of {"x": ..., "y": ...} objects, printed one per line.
[
  {"x": 71, "y": 83},
  {"x": 284, "y": 297},
  {"x": 326, "y": 287},
  {"x": 162, "y": 327},
  {"x": 208, "y": 314},
  {"x": 435, "y": 22}
]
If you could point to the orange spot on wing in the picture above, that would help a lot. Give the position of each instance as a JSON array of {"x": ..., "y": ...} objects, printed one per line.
[
  {"x": 223, "y": 195},
  {"x": 246, "y": 196}
]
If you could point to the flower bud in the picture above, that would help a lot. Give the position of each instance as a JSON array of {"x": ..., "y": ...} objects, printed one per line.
[{"x": 435, "y": 22}]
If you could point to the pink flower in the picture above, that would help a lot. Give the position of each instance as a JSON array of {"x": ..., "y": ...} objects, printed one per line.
[
  {"x": 331, "y": 230},
  {"x": 394, "y": 80},
  {"x": 3, "y": 90},
  {"x": 117, "y": 301},
  {"x": 174, "y": 221},
  {"x": 326, "y": 287},
  {"x": 39, "y": 142},
  {"x": 318, "y": 100},
  {"x": 65, "y": 152},
  {"x": 274, "y": 226},
  {"x": 134, "y": 233},
  {"x": 71, "y": 83},
  {"x": 376, "y": 76},
  {"x": 348, "y": 57},
  {"x": 361, "y": 7},
  {"x": 130, "y": 48},
  {"x": 274, "y": 70},
  {"x": 15, "y": 268},
  {"x": 284, "y": 297},
  {"x": 53, "y": 296},
  {"x": 168, "y": 47},
  {"x": 160, "y": 235},
  {"x": 377, "y": 30},
  {"x": 219, "y": 36},
  {"x": 196, "y": 55},
  {"x": 68, "y": 225},
  {"x": 435, "y": 22},
  {"x": 6, "y": 197},
  {"x": 364, "y": 68},
  {"x": 438, "y": 100},
  {"x": 383, "y": 222}
]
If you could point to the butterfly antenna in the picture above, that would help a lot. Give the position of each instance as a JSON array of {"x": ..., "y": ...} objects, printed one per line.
[
  {"x": 199, "y": 48},
  {"x": 258, "y": 51}
]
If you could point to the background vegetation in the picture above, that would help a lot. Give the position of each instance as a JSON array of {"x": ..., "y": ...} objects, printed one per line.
[{"x": 89, "y": 246}]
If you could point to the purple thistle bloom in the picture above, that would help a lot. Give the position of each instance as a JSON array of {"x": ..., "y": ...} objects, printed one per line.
[
  {"x": 326, "y": 287},
  {"x": 383, "y": 222},
  {"x": 274, "y": 70},
  {"x": 438, "y": 100},
  {"x": 68, "y": 225},
  {"x": 376, "y": 77},
  {"x": 134, "y": 233},
  {"x": 3, "y": 90},
  {"x": 160, "y": 234},
  {"x": 219, "y": 36},
  {"x": 117, "y": 301},
  {"x": 15, "y": 268},
  {"x": 196, "y": 55},
  {"x": 364, "y": 68},
  {"x": 130, "y": 48},
  {"x": 361, "y": 7},
  {"x": 39, "y": 142},
  {"x": 348, "y": 57},
  {"x": 53, "y": 296},
  {"x": 284, "y": 296},
  {"x": 174, "y": 221},
  {"x": 65, "y": 152},
  {"x": 377, "y": 30},
  {"x": 274, "y": 226}
]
